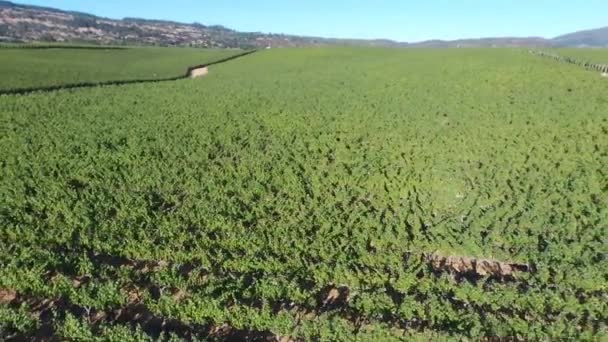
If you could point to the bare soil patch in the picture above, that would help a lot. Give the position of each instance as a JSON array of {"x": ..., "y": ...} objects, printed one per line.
[
  {"x": 198, "y": 72},
  {"x": 333, "y": 296},
  {"x": 7, "y": 296},
  {"x": 462, "y": 265}
]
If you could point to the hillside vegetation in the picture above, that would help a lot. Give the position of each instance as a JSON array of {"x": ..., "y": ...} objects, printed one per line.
[
  {"x": 34, "y": 23},
  {"x": 312, "y": 194}
]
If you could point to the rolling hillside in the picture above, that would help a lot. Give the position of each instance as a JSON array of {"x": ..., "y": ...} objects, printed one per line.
[
  {"x": 588, "y": 38},
  {"x": 24, "y": 23}
]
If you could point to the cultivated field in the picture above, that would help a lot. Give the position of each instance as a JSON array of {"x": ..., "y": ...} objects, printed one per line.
[
  {"x": 308, "y": 194},
  {"x": 38, "y": 68}
]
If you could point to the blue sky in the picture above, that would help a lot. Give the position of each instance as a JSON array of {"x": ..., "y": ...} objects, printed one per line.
[{"x": 404, "y": 20}]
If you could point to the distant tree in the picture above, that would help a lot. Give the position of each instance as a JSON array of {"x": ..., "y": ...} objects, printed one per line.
[
  {"x": 47, "y": 37},
  {"x": 4, "y": 30},
  {"x": 82, "y": 21}
]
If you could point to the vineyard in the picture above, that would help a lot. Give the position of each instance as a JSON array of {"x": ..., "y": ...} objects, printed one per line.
[
  {"x": 32, "y": 67},
  {"x": 332, "y": 194}
]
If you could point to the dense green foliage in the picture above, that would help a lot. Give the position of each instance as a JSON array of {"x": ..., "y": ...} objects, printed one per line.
[
  {"x": 288, "y": 171},
  {"x": 36, "y": 68}
]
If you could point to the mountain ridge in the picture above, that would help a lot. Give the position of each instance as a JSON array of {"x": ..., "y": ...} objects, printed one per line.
[{"x": 28, "y": 23}]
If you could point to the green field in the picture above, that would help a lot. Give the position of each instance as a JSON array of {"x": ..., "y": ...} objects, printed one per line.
[
  {"x": 591, "y": 55},
  {"x": 299, "y": 192},
  {"x": 39, "y": 68}
]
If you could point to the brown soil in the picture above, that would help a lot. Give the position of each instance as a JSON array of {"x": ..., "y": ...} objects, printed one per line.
[
  {"x": 7, "y": 296},
  {"x": 333, "y": 296},
  {"x": 198, "y": 72},
  {"x": 470, "y": 266}
]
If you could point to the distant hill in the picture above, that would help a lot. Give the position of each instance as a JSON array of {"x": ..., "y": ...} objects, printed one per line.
[
  {"x": 486, "y": 42},
  {"x": 588, "y": 38},
  {"x": 25, "y": 23}
]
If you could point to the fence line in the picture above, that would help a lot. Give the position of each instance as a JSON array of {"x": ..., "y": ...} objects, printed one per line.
[{"x": 571, "y": 60}]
